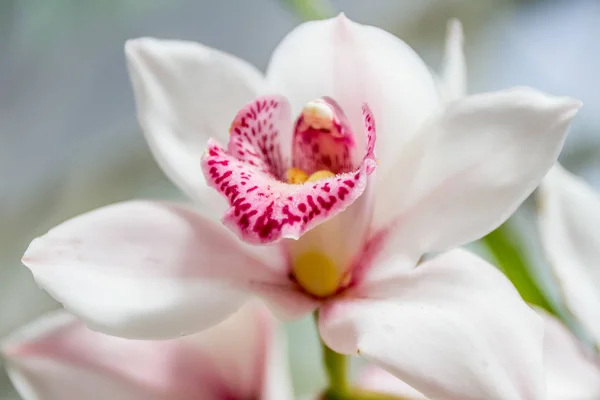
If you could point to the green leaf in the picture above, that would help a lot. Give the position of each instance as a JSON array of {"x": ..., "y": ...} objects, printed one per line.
[
  {"x": 503, "y": 244},
  {"x": 310, "y": 9}
]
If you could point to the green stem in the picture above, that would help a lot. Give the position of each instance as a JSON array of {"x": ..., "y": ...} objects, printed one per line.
[
  {"x": 357, "y": 394},
  {"x": 337, "y": 369},
  {"x": 504, "y": 245},
  {"x": 336, "y": 366}
]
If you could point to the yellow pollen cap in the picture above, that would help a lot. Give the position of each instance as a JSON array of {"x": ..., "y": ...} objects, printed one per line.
[
  {"x": 296, "y": 176},
  {"x": 322, "y": 174},
  {"x": 316, "y": 273}
]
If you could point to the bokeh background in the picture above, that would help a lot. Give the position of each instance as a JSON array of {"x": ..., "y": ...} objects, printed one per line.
[{"x": 69, "y": 140}]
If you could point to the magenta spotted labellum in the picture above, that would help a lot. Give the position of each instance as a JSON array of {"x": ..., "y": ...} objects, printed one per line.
[{"x": 281, "y": 183}]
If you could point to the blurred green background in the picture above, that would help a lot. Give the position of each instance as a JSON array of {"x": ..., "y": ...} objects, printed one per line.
[{"x": 69, "y": 140}]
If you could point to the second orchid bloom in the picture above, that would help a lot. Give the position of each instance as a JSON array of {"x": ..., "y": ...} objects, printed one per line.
[{"x": 332, "y": 175}]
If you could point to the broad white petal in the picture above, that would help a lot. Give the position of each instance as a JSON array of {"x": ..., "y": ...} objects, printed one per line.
[
  {"x": 58, "y": 358},
  {"x": 154, "y": 270},
  {"x": 569, "y": 217},
  {"x": 453, "y": 328},
  {"x": 356, "y": 64},
  {"x": 571, "y": 372},
  {"x": 453, "y": 80},
  {"x": 379, "y": 380},
  {"x": 469, "y": 169},
  {"x": 186, "y": 93}
]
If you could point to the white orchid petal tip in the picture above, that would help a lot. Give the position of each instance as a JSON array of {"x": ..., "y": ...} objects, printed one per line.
[{"x": 455, "y": 29}]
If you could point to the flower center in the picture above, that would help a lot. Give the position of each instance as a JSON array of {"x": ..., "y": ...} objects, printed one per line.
[
  {"x": 316, "y": 273},
  {"x": 323, "y": 148},
  {"x": 296, "y": 176},
  {"x": 313, "y": 270}
]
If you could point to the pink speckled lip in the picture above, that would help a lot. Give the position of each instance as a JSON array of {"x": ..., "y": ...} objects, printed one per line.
[{"x": 250, "y": 172}]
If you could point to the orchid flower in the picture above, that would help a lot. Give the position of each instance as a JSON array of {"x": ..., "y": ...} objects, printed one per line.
[
  {"x": 342, "y": 167},
  {"x": 57, "y": 358},
  {"x": 571, "y": 372}
]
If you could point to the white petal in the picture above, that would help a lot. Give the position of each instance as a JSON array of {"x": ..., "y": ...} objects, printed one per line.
[
  {"x": 571, "y": 372},
  {"x": 186, "y": 93},
  {"x": 453, "y": 80},
  {"x": 453, "y": 328},
  {"x": 469, "y": 169},
  {"x": 356, "y": 64},
  {"x": 57, "y": 357},
  {"x": 379, "y": 380},
  {"x": 154, "y": 270},
  {"x": 570, "y": 231},
  {"x": 42, "y": 363}
]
